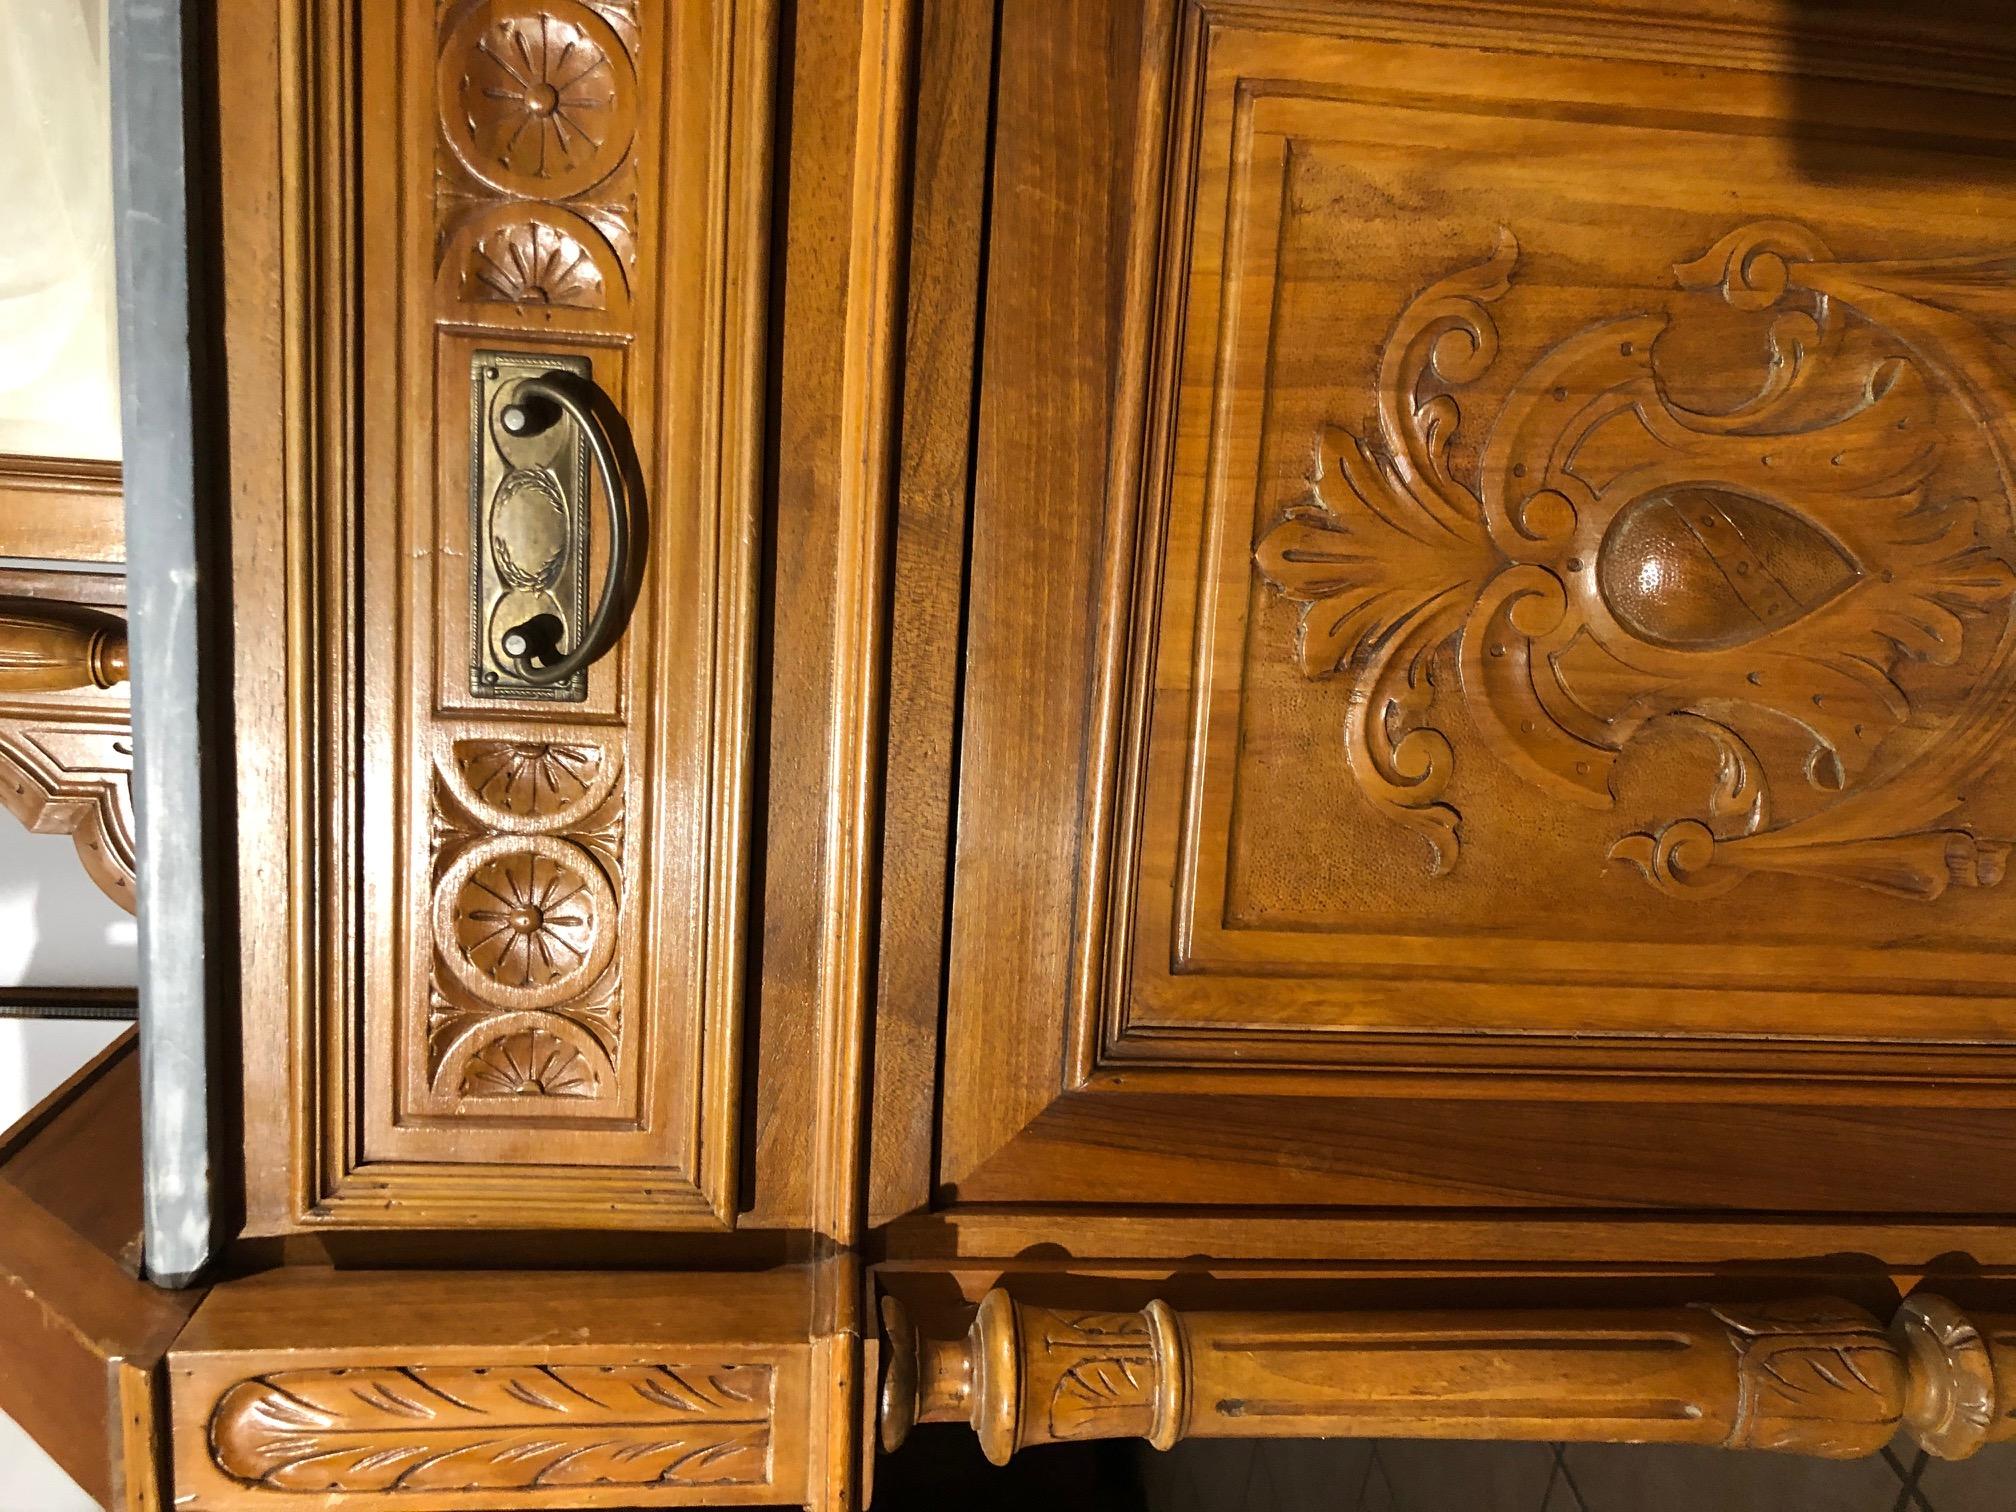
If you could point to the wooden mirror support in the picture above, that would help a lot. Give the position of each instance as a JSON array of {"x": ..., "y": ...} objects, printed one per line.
[
  {"x": 66, "y": 731},
  {"x": 1819, "y": 1377}
]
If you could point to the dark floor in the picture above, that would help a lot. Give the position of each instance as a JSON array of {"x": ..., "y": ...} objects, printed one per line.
[{"x": 942, "y": 1468}]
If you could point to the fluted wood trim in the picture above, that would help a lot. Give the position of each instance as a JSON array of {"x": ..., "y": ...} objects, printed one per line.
[{"x": 1819, "y": 1377}]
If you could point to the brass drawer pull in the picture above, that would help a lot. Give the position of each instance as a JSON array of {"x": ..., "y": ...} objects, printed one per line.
[{"x": 523, "y": 417}]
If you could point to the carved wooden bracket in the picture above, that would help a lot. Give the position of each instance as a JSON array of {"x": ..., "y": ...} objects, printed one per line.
[
  {"x": 1819, "y": 1377},
  {"x": 66, "y": 752}
]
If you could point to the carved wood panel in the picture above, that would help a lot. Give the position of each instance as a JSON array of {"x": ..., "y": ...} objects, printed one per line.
[
  {"x": 1577, "y": 562},
  {"x": 503, "y": 1428},
  {"x": 1505, "y": 576},
  {"x": 439, "y": 1390},
  {"x": 532, "y": 1020}
]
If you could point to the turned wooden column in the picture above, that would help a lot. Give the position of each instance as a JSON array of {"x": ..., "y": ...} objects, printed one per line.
[
  {"x": 46, "y": 649},
  {"x": 1819, "y": 1377}
]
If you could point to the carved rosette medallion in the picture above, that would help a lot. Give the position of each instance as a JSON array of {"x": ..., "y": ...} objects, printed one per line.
[
  {"x": 533, "y": 97},
  {"x": 526, "y": 918},
  {"x": 536, "y": 198},
  {"x": 495, "y": 1429},
  {"x": 1617, "y": 564}
]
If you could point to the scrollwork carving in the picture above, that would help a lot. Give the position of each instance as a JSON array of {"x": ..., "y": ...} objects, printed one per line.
[{"x": 1619, "y": 561}]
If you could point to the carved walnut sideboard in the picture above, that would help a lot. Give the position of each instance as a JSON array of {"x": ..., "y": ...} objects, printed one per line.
[{"x": 1140, "y": 719}]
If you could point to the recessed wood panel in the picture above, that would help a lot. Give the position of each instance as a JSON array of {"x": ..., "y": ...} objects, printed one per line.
[
  {"x": 1580, "y": 574},
  {"x": 1549, "y": 636}
]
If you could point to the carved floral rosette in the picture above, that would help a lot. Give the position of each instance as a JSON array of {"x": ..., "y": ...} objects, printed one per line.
[
  {"x": 536, "y": 191},
  {"x": 527, "y": 869},
  {"x": 1617, "y": 565}
]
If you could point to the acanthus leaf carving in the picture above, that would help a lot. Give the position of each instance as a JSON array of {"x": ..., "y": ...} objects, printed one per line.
[
  {"x": 502, "y": 1428},
  {"x": 1625, "y": 563},
  {"x": 1814, "y": 1377}
]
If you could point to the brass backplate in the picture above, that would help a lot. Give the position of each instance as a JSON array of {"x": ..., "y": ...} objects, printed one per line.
[{"x": 528, "y": 528}]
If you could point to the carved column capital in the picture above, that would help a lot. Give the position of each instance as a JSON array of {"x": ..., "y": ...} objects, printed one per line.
[
  {"x": 1957, "y": 1401},
  {"x": 1035, "y": 1375}
]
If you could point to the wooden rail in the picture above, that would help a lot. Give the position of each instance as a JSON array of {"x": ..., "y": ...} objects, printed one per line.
[{"x": 1819, "y": 1377}]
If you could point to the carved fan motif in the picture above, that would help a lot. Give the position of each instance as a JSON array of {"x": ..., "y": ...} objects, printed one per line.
[
  {"x": 530, "y": 1063},
  {"x": 530, "y": 777},
  {"x": 532, "y": 262},
  {"x": 1621, "y": 561}
]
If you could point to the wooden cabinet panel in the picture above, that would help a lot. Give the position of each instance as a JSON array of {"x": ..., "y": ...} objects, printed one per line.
[
  {"x": 1582, "y": 585},
  {"x": 1549, "y": 632},
  {"x": 527, "y": 1010}
]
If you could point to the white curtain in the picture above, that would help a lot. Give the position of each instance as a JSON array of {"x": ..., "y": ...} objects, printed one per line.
[{"x": 58, "y": 354}]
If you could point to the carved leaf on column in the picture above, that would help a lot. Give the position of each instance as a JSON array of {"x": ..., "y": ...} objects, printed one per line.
[
  {"x": 497, "y": 1428},
  {"x": 1105, "y": 1371},
  {"x": 1813, "y": 1378},
  {"x": 1618, "y": 563}
]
